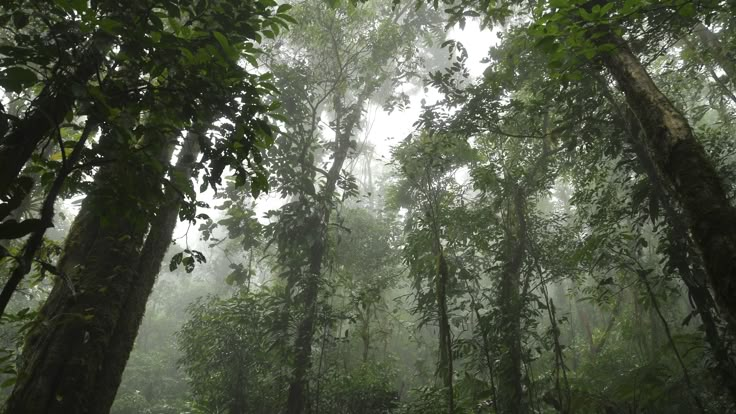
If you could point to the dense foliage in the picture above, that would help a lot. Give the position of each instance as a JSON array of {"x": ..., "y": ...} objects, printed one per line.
[{"x": 220, "y": 206}]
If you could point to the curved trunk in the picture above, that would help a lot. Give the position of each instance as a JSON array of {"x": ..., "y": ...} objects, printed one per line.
[
  {"x": 47, "y": 111},
  {"x": 65, "y": 350},
  {"x": 681, "y": 160},
  {"x": 680, "y": 250}
]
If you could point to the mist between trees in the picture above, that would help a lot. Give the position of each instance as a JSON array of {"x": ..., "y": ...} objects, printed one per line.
[{"x": 353, "y": 207}]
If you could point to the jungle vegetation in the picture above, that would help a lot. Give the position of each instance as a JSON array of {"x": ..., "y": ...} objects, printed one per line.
[{"x": 337, "y": 207}]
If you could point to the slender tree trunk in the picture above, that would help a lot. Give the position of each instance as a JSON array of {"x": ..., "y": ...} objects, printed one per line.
[
  {"x": 681, "y": 160},
  {"x": 47, "y": 111},
  {"x": 152, "y": 254},
  {"x": 445, "y": 339},
  {"x": 65, "y": 350},
  {"x": 486, "y": 346},
  {"x": 365, "y": 332},
  {"x": 305, "y": 331},
  {"x": 725, "y": 58},
  {"x": 510, "y": 379},
  {"x": 35, "y": 240}
]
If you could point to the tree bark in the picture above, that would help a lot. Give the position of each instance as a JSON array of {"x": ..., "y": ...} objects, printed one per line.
[
  {"x": 509, "y": 373},
  {"x": 152, "y": 254},
  {"x": 305, "y": 331},
  {"x": 365, "y": 332},
  {"x": 445, "y": 339},
  {"x": 65, "y": 350},
  {"x": 680, "y": 159},
  {"x": 691, "y": 272}
]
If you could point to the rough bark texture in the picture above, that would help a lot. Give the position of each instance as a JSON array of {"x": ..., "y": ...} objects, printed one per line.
[
  {"x": 509, "y": 372},
  {"x": 65, "y": 350},
  {"x": 305, "y": 331},
  {"x": 47, "y": 112},
  {"x": 152, "y": 254},
  {"x": 688, "y": 264},
  {"x": 681, "y": 160}
]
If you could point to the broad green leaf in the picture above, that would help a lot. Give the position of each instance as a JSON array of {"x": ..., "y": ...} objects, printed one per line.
[{"x": 16, "y": 79}]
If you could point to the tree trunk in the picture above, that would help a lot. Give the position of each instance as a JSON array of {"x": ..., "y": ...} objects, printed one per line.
[
  {"x": 47, "y": 111},
  {"x": 681, "y": 160},
  {"x": 692, "y": 275},
  {"x": 65, "y": 350},
  {"x": 152, "y": 254},
  {"x": 365, "y": 332},
  {"x": 722, "y": 56},
  {"x": 509, "y": 372},
  {"x": 305, "y": 331},
  {"x": 445, "y": 339},
  {"x": 35, "y": 240}
]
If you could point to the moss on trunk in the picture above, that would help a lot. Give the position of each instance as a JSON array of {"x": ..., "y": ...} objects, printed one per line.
[
  {"x": 65, "y": 351},
  {"x": 152, "y": 254},
  {"x": 510, "y": 390},
  {"x": 689, "y": 173}
]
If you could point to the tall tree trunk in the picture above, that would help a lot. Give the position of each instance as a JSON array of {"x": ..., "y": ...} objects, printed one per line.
[
  {"x": 680, "y": 159},
  {"x": 47, "y": 111},
  {"x": 345, "y": 124},
  {"x": 725, "y": 58},
  {"x": 152, "y": 254},
  {"x": 445, "y": 339},
  {"x": 509, "y": 373},
  {"x": 692, "y": 275},
  {"x": 365, "y": 332},
  {"x": 305, "y": 331},
  {"x": 683, "y": 256},
  {"x": 486, "y": 345},
  {"x": 65, "y": 350}
]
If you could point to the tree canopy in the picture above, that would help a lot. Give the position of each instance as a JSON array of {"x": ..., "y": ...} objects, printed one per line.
[{"x": 318, "y": 207}]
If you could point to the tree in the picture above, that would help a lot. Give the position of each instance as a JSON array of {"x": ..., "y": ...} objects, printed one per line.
[
  {"x": 227, "y": 354},
  {"x": 102, "y": 292},
  {"x": 361, "y": 50},
  {"x": 680, "y": 160}
]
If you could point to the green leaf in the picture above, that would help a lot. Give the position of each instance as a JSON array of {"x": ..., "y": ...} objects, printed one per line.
[
  {"x": 559, "y": 4},
  {"x": 687, "y": 10},
  {"x": 175, "y": 261},
  {"x": 17, "y": 78},
  {"x": 588, "y": 17},
  {"x": 548, "y": 44},
  {"x": 225, "y": 44},
  {"x": 110, "y": 26}
]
